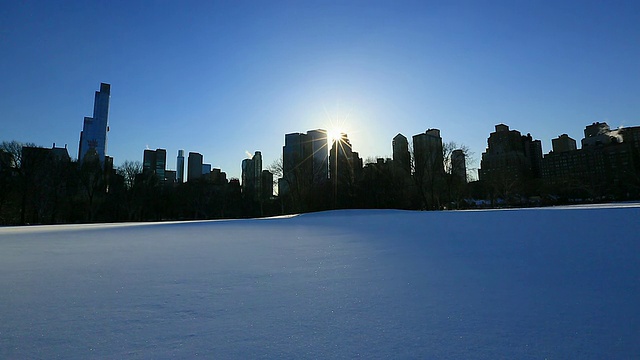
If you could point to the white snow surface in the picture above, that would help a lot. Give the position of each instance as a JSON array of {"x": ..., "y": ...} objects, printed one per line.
[{"x": 552, "y": 283}]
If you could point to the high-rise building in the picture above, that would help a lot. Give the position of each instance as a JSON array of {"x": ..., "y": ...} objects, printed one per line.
[
  {"x": 428, "y": 156},
  {"x": 218, "y": 177},
  {"x": 458, "y": 165},
  {"x": 607, "y": 165},
  {"x": 345, "y": 166},
  {"x": 294, "y": 162},
  {"x": 563, "y": 144},
  {"x": 180, "y": 167},
  {"x": 206, "y": 169},
  {"x": 267, "y": 184},
  {"x": 598, "y": 134},
  {"x": 148, "y": 160},
  {"x": 305, "y": 159},
  {"x": 318, "y": 147},
  {"x": 194, "y": 166},
  {"x": 93, "y": 137},
  {"x": 170, "y": 176},
  {"x": 341, "y": 159},
  {"x": 257, "y": 172},
  {"x": 252, "y": 176},
  {"x": 155, "y": 161},
  {"x": 401, "y": 155},
  {"x": 510, "y": 157}
]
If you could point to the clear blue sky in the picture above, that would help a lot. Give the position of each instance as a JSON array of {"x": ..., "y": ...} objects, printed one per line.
[{"x": 227, "y": 78}]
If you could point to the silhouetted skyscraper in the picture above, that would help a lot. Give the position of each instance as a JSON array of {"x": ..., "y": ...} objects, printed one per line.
[
  {"x": 296, "y": 169},
  {"x": 401, "y": 156},
  {"x": 206, "y": 169},
  {"x": 252, "y": 176},
  {"x": 345, "y": 166},
  {"x": 305, "y": 159},
  {"x": 180, "y": 167},
  {"x": 257, "y": 172},
  {"x": 155, "y": 161},
  {"x": 428, "y": 156},
  {"x": 510, "y": 157},
  {"x": 93, "y": 137},
  {"x": 458, "y": 165},
  {"x": 267, "y": 184},
  {"x": 194, "y": 166},
  {"x": 319, "y": 154},
  {"x": 563, "y": 143}
]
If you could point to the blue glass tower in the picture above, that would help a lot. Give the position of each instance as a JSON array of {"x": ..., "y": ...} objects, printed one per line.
[{"x": 93, "y": 138}]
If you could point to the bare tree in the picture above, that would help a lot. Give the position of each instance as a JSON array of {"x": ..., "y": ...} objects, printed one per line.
[
  {"x": 15, "y": 149},
  {"x": 129, "y": 170},
  {"x": 456, "y": 159},
  {"x": 276, "y": 169}
]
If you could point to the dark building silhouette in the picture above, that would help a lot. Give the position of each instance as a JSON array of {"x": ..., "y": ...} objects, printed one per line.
[
  {"x": 428, "y": 156},
  {"x": 318, "y": 153},
  {"x": 599, "y": 134},
  {"x": 194, "y": 166},
  {"x": 155, "y": 161},
  {"x": 345, "y": 167},
  {"x": 510, "y": 157},
  {"x": 180, "y": 167},
  {"x": 93, "y": 137},
  {"x": 252, "y": 176},
  {"x": 296, "y": 164},
  {"x": 217, "y": 177},
  {"x": 33, "y": 157},
  {"x": 608, "y": 165},
  {"x": 170, "y": 177},
  {"x": 459, "y": 165},
  {"x": 563, "y": 143},
  {"x": 206, "y": 169},
  {"x": 267, "y": 184},
  {"x": 305, "y": 160},
  {"x": 401, "y": 155}
]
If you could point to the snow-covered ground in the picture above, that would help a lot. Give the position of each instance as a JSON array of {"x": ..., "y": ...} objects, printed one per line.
[{"x": 552, "y": 283}]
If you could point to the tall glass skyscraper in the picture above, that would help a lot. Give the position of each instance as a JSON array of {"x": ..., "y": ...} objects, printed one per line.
[
  {"x": 93, "y": 138},
  {"x": 180, "y": 167}
]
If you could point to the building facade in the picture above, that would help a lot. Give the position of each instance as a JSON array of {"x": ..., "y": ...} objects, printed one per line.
[
  {"x": 305, "y": 160},
  {"x": 194, "y": 166},
  {"x": 180, "y": 167},
  {"x": 93, "y": 137},
  {"x": 510, "y": 158},
  {"x": 428, "y": 155},
  {"x": 401, "y": 155},
  {"x": 155, "y": 161},
  {"x": 608, "y": 165},
  {"x": 252, "y": 178}
]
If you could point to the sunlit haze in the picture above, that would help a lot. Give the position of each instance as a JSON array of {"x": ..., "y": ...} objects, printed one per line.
[{"x": 227, "y": 78}]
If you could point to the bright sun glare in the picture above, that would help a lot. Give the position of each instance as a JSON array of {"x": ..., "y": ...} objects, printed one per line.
[
  {"x": 336, "y": 126},
  {"x": 333, "y": 134}
]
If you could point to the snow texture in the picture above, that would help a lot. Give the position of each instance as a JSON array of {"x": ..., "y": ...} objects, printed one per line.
[{"x": 553, "y": 283}]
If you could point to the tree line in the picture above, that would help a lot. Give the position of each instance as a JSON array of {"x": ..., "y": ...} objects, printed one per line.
[{"x": 43, "y": 188}]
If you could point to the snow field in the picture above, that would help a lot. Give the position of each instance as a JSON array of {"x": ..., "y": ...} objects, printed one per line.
[{"x": 540, "y": 283}]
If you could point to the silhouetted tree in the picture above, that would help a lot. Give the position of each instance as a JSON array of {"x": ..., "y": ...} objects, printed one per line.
[
  {"x": 92, "y": 184},
  {"x": 18, "y": 184},
  {"x": 454, "y": 180},
  {"x": 129, "y": 170},
  {"x": 428, "y": 176}
]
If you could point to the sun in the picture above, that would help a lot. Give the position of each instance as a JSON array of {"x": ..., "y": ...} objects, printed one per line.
[
  {"x": 333, "y": 134},
  {"x": 336, "y": 125}
]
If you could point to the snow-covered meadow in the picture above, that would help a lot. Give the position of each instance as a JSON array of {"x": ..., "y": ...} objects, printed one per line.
[{"x": 552, "y": 283}]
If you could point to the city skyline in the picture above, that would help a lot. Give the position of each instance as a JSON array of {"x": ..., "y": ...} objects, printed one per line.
[{"x": 224, "y": 79}]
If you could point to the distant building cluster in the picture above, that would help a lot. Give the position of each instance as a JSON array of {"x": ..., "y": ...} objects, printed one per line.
[
  {"x": 315, "y": 173},
  {"x": 606, "y": 167}
]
